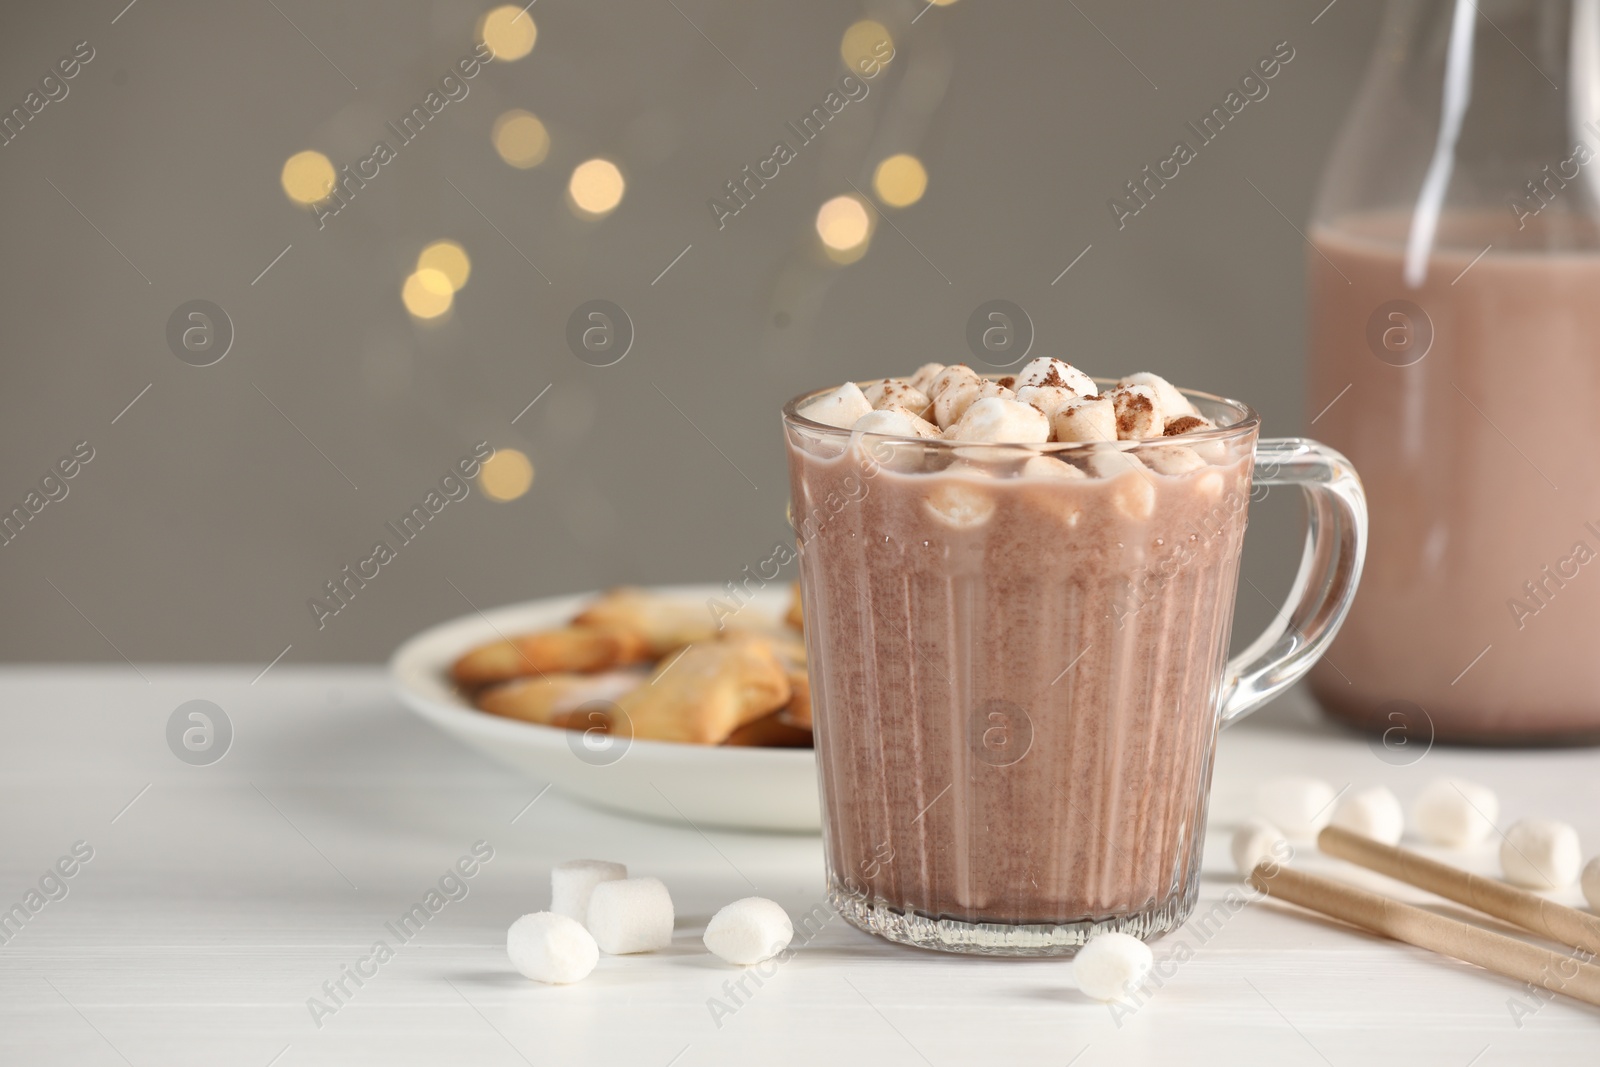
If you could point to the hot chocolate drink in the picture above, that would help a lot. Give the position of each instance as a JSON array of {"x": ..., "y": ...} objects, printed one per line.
[{"x": 1017, "y": 649}]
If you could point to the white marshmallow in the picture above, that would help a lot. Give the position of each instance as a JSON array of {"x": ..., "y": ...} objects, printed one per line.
[
  {"x": 998, "y": 420},
  {"x": 749, "y": 931},
  {"x": 991, "y": 461},
  {"x": 924, "y": 376},
  {"x": 1132, "y": 492},
  {"x": 895, "y": 422},
  {"x": 839, "y": 407},
  {"x": 1087, "y": 420},
  {"x": 954, "y": 401},
  {"x": 1173, "y": 403},
  {"x": 1541, "y": 854},
  {"x": 1591, "y": 884},
  {"x": 1300, "y": 805},
  {"x": 1050, "y": 467},
  {"x": 950, "y": 403},
  {"x": 1455, "y": 812},
  {"x": 1374, "y": 813},
  {"x": 955, "y": 374},
  {"x": 962, "y": 506},
  {"x": 551, "y": 948},
  {"x": 572, "y": 882},
  {"x": 1257, "y": 840},
  {"x": 1209, "y": 483},
  {"x": 1048, "y": 371},
  {"x": 1173, "y": 459},
  {"x": 1111, "y": 965},
  {"x": 1174, "y": 425},
  {"x": 1047, "y": 398},
  {"x": 1138, "y": 412},
  {"x": 895, "y": 393},
  {"x": 631, "y": 915}
]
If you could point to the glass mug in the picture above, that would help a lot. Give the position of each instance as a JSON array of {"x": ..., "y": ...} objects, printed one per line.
[{"x": 1019, "y": 665}]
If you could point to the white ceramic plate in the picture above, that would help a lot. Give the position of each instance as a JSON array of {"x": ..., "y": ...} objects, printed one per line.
[{"x": 705, "y": 785}]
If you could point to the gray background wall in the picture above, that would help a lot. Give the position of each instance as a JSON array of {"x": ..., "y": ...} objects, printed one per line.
[{"x": 206, "y": 520}]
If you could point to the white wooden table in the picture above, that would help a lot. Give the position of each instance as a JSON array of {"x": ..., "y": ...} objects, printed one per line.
[{"x": 220, "y": 898}]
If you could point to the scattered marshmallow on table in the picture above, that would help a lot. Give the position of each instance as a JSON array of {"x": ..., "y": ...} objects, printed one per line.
[
  {"x": 1257, "y": 840},
  {"x": 1591, "y": 883},
  {"x": 1455, "y": 812},
  {"x": 749, "y": 931},
  {"x": 551, "y": 948},
  {"x": 1374, "y": 813},
  {"x": 631, "y": 915},
  {"x": 1110, "y": 964},
  {"x": 572, "y": 882},
  {"x": 1299, "y": 805},
  {"x": 1541, "y": 854}
]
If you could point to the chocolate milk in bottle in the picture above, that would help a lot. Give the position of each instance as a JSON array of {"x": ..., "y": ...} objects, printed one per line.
[{"x": 1454, "y": 317}]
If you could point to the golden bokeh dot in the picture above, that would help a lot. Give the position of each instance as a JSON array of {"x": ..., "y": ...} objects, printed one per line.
[
  {"x": 509, "y": 32},
  {"x": 521, "y": 138},
  {"x": 427, "y": 293},
  {"x": 943, "y": 3},
  {"x": 865, "y": 41},
  {"x": 900, "y": 180},
  {"x": 449, "y": 259},
  {"x": 843, "y": 223},
  {"x": 506, "y": 475},
  {"x": 308, "y": 176},
  {"x": 596, "y": 187}
]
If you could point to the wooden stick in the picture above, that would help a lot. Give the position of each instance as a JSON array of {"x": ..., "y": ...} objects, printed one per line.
[
  {"x": 1491, "y": 896},
  {"x": 1491, "y": 951}
]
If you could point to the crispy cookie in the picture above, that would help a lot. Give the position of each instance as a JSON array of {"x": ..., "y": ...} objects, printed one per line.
[
  {"x": 708, "y": 691},
  {"x": 559, "y": 699},
  {"x": 661, "y": 625},
  {"x": 566, "y": 650}
]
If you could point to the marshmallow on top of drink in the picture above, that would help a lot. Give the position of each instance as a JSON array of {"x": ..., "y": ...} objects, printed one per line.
[{"x": 1048, "y": 400}]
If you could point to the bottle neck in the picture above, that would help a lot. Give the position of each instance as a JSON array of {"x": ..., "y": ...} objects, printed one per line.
[{"x": 1477, "y": 121}]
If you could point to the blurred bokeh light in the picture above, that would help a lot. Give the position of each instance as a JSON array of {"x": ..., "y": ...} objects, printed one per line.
[
  {"x": 860, "y": 41},
  {"x": 596, "y": 187},
  {"x": 509, "y": 32},
  {"x": 521, "y": 138},
  {"x": 308, "y": 176},
  {"x": 844, "y": 226},
  {"x": 506, "y": 475},
  {"x": 449, "y": 259},
  {"x": 427, "y": 293},
  {"x": 900, "y": 180}
]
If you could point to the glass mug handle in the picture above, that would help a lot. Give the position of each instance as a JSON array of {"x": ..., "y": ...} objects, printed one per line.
[{"x": 1330, "y": 568}]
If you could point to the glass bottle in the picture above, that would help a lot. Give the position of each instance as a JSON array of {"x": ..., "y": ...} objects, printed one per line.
[{"x": 1454, "y": 317}]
